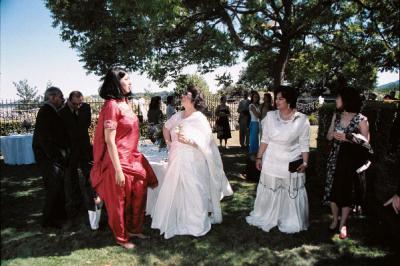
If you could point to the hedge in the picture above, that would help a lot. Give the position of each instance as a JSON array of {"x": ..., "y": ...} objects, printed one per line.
[{"x": 382, "y": 177}]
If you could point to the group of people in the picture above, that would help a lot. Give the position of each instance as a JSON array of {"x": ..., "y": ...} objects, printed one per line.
[
  {"x": 251, "y": 113},
  {"x": 63, "y": 152},
  {"x": 188, "y": 202}
]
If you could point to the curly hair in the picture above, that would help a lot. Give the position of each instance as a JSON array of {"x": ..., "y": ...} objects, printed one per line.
[
  {"x": 289, "y": 93},
  {"x": 197, "y": 98}
]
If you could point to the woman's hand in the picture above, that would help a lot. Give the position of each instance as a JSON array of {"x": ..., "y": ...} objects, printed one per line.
[
  {"x": 395, "y": 201},
  {"x": 339, "y": 136},
  {"x": 301, "y": 168},
  {"x": 120, "y": 178},
  {"x": 185, "y": 140},
  {"x": 97, "y": 200},
  {"x": 258, "y": 164}
]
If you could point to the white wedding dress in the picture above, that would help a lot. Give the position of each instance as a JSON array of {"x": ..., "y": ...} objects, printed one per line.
[{"x": 189, "y": 198}]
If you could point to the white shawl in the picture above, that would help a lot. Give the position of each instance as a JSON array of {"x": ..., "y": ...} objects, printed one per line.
[{"x": 197, "y": 128}]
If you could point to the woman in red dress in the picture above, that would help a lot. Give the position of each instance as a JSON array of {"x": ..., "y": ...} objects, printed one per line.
[{"x": 120, "y": 174}]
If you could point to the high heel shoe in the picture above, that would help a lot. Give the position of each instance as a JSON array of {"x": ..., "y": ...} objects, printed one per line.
[{"x": 343, "y": 232}]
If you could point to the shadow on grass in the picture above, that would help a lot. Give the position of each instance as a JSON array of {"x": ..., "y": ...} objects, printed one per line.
[{"x": 233, "y": 242}]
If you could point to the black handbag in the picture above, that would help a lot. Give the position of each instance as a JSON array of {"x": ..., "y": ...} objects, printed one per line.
[
  {"x": 294, "y": 165},
  {"x": 293, "y": 169}
]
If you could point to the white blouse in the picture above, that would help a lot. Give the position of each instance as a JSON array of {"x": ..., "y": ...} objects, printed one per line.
[
  {"x": 286, "y": 141},
  {"x": 254, "y": 118}
]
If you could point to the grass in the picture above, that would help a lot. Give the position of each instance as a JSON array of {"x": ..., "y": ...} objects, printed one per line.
[{"x": 234, "y": 242}]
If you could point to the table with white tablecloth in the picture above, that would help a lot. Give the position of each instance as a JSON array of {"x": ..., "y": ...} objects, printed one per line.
[
  {"x": 17, "y": 149},
  {"x": 158, "y": 161}
]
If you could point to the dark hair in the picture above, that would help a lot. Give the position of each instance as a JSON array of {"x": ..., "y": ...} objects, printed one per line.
[
  {"x": 170, "y": 98},
  {"x": 155, "y": 103},
  {"x": 197, "y": 98},
  {"x": 254, "y": 93},
  {"x": 289, "y": 93},
  {"x": 111, "y": 88},
  {"x": 269, "y": 97},
  {"x": 351, "y": 99},
  {"x": 75, "y": 94},
  {"x": 222, "y": 98}
]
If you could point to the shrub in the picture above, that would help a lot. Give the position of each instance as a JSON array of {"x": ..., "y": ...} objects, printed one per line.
[{"x": 313, "y": 120}]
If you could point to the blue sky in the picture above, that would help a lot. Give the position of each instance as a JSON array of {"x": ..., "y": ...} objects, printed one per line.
[{"x": 32, "y": 49}]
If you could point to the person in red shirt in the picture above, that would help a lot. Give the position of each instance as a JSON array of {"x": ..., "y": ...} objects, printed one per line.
[{"x": 120, "y": 174}]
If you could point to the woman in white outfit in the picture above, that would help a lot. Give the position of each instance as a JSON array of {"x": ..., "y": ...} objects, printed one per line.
[
  {"x": 281, "y": 195},
  {"x": 195, "y": 182}
]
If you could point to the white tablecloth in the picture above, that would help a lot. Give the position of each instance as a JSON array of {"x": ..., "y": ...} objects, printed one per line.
[
  {"x": 158, "y": 162},
  {"x": 17, "y": 149}
]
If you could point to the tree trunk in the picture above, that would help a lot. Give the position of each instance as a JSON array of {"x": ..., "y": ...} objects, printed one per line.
[{"x": 281, "y": 63}]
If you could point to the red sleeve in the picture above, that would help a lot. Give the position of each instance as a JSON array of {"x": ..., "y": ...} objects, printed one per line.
[{"x": 111, "y": 115}]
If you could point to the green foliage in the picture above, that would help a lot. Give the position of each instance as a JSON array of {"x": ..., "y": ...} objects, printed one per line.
[
  {"x": 162, "y": 37},
  {"x": 183, "y": 81},
  {"x": 11, "y": 127},
  {"x": 25, "y": 92},
  {"x": 313, "y": 120}
]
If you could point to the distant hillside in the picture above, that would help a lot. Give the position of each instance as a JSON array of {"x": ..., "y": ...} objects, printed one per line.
[{"x": 389, "y": 86}]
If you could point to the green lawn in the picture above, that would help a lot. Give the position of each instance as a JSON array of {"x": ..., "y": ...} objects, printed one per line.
[{"x": 24, "y": 242}]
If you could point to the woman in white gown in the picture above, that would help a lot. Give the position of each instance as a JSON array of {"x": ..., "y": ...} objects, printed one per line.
[
  {"x": 195, "y": 182},
  {"x": 281, "y": 195}
]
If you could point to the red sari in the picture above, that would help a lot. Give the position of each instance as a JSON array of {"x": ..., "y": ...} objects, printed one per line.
[{"x": 125, "y": 204}]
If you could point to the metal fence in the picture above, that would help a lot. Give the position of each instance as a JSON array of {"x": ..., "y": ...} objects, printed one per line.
[{"x": 19, "y": 117}]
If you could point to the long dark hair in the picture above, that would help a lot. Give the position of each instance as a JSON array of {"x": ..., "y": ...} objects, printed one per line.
[
  {"x": 197, "y": 98},
  {"x": 351, "y": 100},
  {"x": 155, "y": 103},
  {"x": 111, "y": 88},
  {"x": 254, "y": 93}
]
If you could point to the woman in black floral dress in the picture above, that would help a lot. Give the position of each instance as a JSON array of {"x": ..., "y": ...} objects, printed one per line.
[
  {"x": 344, "y": 186},
  {"x": 223, "y": 128}
]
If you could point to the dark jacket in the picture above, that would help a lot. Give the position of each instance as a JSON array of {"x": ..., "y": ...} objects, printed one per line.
[
  {"x": 77, "y": 128},
  {"x": 49, "y": 138}
]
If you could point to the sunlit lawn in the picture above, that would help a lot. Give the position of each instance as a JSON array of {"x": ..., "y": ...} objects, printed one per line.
[{"x": 24, "y": 242}]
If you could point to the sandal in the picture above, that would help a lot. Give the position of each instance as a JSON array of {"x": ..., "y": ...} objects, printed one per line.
[
  {"x": 127, "y": 245},
  {"x": 343, "y": 232}
]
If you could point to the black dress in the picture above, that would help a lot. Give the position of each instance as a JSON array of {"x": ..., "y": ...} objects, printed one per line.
[
  {"x": 347, "y": 187},
  {"x": 222, "y": 123}
]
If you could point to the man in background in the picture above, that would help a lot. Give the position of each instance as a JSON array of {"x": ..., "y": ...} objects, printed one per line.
[
  {"x": 50, "y": 150},
  {"x": 76, "y": 115},
  {"x": 244, "y": 117}
]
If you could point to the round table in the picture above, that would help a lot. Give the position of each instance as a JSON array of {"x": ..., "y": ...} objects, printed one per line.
[
  {"x": 158, "y": 161},
  {"x": 17, "y": 149}
]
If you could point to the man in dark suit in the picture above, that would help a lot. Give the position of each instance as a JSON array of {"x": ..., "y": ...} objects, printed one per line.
[
  {"x": 76, "y": 116},
  {"x": 50, "y": 151}
]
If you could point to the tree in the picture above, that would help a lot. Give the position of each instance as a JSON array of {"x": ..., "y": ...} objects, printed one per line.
[
  {"x": 183, "y": 81},
  {"x": 161, "y": 37},
  {"x": 25, "y": 92},
  {"x": 49, "y": 84}
]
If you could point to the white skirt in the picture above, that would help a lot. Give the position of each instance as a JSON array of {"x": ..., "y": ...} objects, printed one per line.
[
  {"x": 183, "y": 202},
  {"x": 280, "y": 202}
]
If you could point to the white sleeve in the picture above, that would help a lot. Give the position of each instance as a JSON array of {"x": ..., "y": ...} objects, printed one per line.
[
  {"x": 304, "y": 138},
  {"x": 265, "y": 131},
  {"x": 172, "y": 121}
]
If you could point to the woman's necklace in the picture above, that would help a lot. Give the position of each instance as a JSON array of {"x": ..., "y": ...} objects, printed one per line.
[{"x": 286, "y": 117}]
